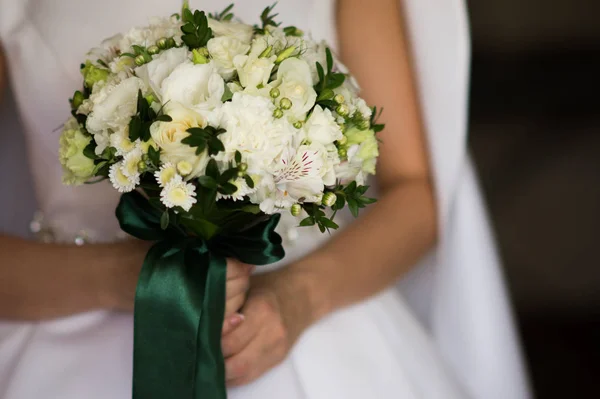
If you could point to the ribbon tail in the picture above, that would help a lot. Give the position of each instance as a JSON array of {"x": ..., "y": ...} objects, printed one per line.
[{"x": 210, "y": 367}]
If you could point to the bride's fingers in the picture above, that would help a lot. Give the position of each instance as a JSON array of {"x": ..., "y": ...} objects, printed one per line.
[
  {"x": 238, "y": 338},
  {"x": 250, "y": 363},
  {"x": 236, "y": 269},
  {"x": 237, "y": 286},
  {"x": 231, "y": 322}
]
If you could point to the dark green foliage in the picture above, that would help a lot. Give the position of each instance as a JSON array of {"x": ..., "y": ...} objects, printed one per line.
[{"x": 196, "y": 32}]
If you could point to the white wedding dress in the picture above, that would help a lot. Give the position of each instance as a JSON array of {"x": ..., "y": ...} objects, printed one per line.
[{"x": 447, "y": 333}]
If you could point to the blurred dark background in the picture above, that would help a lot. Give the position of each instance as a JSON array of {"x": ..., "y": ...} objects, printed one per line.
[{"x": 535, "y": 137}]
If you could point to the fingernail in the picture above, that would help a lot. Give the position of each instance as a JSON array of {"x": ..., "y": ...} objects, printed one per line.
[{"x": 236, "y": 319}]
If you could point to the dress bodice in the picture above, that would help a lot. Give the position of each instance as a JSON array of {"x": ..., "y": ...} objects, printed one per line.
[{"x": 45, "y": 42}]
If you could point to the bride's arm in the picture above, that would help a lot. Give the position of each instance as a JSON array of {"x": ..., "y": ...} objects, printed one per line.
[{"x": 386, "y": 241}]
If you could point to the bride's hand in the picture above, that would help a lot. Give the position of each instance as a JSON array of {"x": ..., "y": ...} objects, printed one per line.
[
  {"x": 119, "y": 281},
  {"x": 275, "y": 315}
]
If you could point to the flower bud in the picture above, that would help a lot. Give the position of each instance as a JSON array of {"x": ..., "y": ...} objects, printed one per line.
[
  {"x": 364, "y": 125},
  {"x": 153, "y": 50},
  {"x": 198, "y": 57},
  {"x": 140, "y": 60},
  {"x": 329, "y": 199},
  {"x": 171, "y": 42},
  {"x": 343, "y": 140},
  {"x": 184, "y": 168},
  {"x": 274, "y": 93},
  {"x": 278, "y": 113},
  {"x": 296, "y": 209},
  {"x": 285, "y": 54},
  {"x": 266, "y": 52},
  {"x": 242, "y": 167},
  {"x": 339, "y": 99},
  {"x": 342, "y": 127},
  {"x": 342, "y": 110},
  {"x": 298, "y": 124},
  {"x": 285, "y": 103},
  {"x": 141, "y": 166},
  {"x": 342, "y": 153},
  {"x": 145, "y": 158},
  {"x": 162, "y": 43},
  {"x": 77, "y": 100},
  {"x": 150, "y": 99},
  {"x": 240, "y": 173}
]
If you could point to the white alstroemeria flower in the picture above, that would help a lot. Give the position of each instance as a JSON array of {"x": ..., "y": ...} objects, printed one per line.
[
  {"x": 178, "y": 193},
  {"x": 164, "y": 175},
  {"x": 298, "y": 178},
  {"x": 252, "y": 130},
  {"x": 120, "y": 181},
  {"x": 113, "y": 107},
  {"x": 236, "y": 30},
  {"x": 322, "y": 127},
  {"x": 168, "y": 136},
  {"x": 295, "y": 83},
  {"x": 198, "y": 87},
  {"x": 223, "y": 50},
  {"x": 157, "y": 70}
]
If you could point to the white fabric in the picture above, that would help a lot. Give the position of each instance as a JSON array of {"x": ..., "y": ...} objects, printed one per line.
[{"x": 461, "y": 342}]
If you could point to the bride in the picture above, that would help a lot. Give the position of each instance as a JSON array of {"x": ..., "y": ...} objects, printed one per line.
[{"x": 330, "y": 324}]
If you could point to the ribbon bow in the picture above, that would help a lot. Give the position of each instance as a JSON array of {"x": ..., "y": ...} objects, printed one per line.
[{"x": 180, "y": 301}]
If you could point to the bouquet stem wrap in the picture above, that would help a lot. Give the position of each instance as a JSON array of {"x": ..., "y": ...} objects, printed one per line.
[{"x": 180, "y": 301}]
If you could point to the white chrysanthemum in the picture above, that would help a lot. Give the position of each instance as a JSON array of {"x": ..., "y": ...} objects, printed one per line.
[
  {"x": 165, "y": 174},
  {"x": 178, "y": 193},
  {"x": 120, "y": 182},
  {"x": 131, "y": 162}
]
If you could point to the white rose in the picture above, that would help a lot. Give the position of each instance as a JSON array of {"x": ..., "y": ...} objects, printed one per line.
[
  {"x": 321, "y": 127},
  {"x": 223, "y": 49},
  {"x": 113, "y": 105},
  {"x": 294, "y": 82},
  {"x": 168, "y": 136},
  {"x": 239, "y": 31},
  {"x": 199, "y": 87},
  {"x": 156, "y": 71}
]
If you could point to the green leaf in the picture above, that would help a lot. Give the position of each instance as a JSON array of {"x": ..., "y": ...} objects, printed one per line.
[
  {"x": 360, "y": 190},
  {"x": 228, "y": 175},
  {"x": 238, "y": 157},
  {"x": 351, "y": 188},
  {"x": 227, "y": 94},
  {"x": 215, "y": 146},
  {"x": 212, "y": 169},
  {"x": 228, "y": 189},
  {"x": 252, "y": 208},
  {"x": 321, "y": 74},
  {"x": 367, "y": 200},
  {"x": 207, "y": 181},
  {"x": 329, "y": 60},
  {"x": 326, "y": 94},
  {"x": 328, "y": 223},
  {"x": 145, "y": 131},
  {"x": 164, "y": 220},
  {"x": 188, "y": 28},
  {"x": 309, "y": 221},
  {"x": 200, "y": 227},
  {"x": 164, "y": 118},
  {"x": 187, "y": 15},
  {"x": 90, "y": 150},
  {"x": 249, "y": 181},
  {"x": 353, "y": 206},
  {"x": 335, "y": 80},
  {"x": 340, "y": 202},
  {"x": 135, "y": 128}
]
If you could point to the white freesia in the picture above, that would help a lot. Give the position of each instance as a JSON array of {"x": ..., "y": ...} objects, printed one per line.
[
  {"x": 223, "y": 49},
  {"x": 156, "y": 71},
  {"x": 252, "y": 130},
  {"x": 168, "y": 136},
  {"x": 294, "y": 82},
  {"x": 239, "y": 31},
  {"x": 321, "y": 127},
  {"x": 199, "y": 87},
  {"x": 113, "y": 107},
  {"x": 253, "y": 70}
]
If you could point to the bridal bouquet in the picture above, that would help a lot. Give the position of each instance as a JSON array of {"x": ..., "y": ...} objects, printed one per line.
[{"x": 211, "y": 128}]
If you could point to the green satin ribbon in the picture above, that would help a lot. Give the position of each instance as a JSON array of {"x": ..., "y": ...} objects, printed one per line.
[{"x": 180, "y": 301}]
